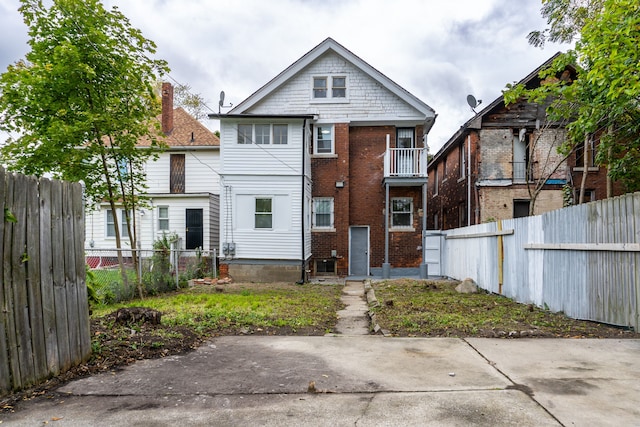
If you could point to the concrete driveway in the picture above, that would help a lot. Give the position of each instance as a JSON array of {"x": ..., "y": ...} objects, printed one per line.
[{"x": 360, "y": 381}]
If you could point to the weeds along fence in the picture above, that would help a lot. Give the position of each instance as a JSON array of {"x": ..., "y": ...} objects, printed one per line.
[
  {"x": 582, "y": 260},
  {"x": 159, "y": 270},
  {"x": 44, "y": 313}
]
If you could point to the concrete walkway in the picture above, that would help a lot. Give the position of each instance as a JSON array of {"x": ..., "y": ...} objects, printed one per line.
[{"x": 354, "y": 318}]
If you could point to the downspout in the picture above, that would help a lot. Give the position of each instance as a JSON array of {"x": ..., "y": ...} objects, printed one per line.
[
  {"x": 424, "y": 268},
  {"x": 303, "y": 201},
  {"x": 469, "y": 179},
  {"x": 386, "y": 267}
]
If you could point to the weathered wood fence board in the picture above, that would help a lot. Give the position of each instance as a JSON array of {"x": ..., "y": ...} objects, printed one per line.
[
  {"x": 44, "y": 312},
  {"x": 583, "y": 260}
]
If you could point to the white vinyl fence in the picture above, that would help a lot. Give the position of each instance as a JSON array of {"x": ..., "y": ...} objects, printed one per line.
[{"x": 583, "y": 260}]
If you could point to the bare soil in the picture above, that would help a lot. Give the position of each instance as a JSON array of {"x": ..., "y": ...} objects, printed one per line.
[{"x": 115, "y": 346}]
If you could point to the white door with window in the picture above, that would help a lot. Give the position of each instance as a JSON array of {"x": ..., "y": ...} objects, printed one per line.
[{"x": 405, "y": 155}]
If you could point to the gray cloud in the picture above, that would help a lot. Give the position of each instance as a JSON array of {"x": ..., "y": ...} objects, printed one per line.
[{"x": 438, "y": 51}]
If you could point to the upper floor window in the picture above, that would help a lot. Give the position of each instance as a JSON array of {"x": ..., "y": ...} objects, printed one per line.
[
  {"x": 263, "y": 134},
  {"x": 329, "y": 88},
  {"x": 323, "y": 141},
  {"x": 435, "y": 181},
  {"x": 463, "y": 161},
  {"x": 580, "y": 153},
  {"x": 176, "y": 173}
]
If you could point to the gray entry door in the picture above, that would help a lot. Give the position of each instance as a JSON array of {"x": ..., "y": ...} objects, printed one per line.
[{"x": 359, "y": 251}]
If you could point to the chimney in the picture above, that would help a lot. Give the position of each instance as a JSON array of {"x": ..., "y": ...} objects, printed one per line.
[{"x": 167, "y": 108}]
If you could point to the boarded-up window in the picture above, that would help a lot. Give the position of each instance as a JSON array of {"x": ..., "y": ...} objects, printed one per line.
[{"x": 176, "y": 180}]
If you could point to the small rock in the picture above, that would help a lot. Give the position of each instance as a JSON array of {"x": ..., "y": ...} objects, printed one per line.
[
  {"x": 514, "y": 334},
  {"x": 452, "y": 374},
  {"x": 467, "y": 286}
]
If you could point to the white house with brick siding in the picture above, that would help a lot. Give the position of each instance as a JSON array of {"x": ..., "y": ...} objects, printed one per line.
[
  {"x": 323, "y": 171},
  {"x": 183, "y": 188}
]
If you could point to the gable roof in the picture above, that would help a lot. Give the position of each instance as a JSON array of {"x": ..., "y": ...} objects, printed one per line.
[
  {"x": 331, "y": 45},
  {"x": 186, "y": 132},
  {"x": 475, "y": 122}
]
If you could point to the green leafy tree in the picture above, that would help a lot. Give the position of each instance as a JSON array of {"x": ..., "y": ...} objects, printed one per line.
[
  {"x": 603, "y": 101},
  {"x": 81, "y": 100}
]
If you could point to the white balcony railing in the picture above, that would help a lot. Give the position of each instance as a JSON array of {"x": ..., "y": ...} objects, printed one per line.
[{"x": 405, "y": 162}]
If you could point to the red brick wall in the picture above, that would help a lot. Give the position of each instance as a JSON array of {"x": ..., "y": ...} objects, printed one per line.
[{"x": 360, "y": 164}]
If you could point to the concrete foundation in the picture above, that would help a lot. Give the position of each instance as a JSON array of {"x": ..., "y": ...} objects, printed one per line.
[{"x": 265, "y": 272}]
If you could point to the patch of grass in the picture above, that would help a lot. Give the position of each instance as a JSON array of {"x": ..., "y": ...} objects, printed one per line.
[
  {"x": 434, "y": 308},
  {"x": 206, "y": 311}
]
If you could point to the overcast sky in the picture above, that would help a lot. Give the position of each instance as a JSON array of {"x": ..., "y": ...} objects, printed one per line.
[{"x": 440, "y": 51}]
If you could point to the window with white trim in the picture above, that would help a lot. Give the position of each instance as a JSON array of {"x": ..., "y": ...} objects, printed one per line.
[
  {"x": 322, "y": 212},
  {"x": 280, "y": 134},
  {"x": 263, "y": 134},
  {"x": 323, "y": 141},
  {"x": 264, "y": 212},
  {"x": 111, "y": 226},
  {"x": 328, "y": 88},
  {"x": 245, "y": 134},
  {"x": 402, "y": 212},
  {"x": 163, "y": 218}
]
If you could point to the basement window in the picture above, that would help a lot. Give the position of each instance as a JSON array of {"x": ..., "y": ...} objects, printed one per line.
[{"x": 325, "y": 267}]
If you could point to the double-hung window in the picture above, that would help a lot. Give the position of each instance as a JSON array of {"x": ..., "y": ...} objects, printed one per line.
[
  {"x": 264, "y": 212},
  {"x": 163, "y": 218},
  {"x": 323, "y": 212},
  {"x": 245, "y": 134},
  {"x": 323, "y": 139},
  {"x": 111, "y": 226},
  {"x": 329, "y": 88},
  {"x": 401, "y": 212}
]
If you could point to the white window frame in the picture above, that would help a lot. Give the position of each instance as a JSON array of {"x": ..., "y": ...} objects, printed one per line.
[
  {"x": 262, "y": 133},
  {"x": 123, "y": 223},
  {"x": 257, "y": 135},
  {"x": 322, "y": 128},
  {"x": 330, "y": 88},
  {"x": 257, "y": 214},
  {"x": 394, "y": 212},
  {"x": 315, "y": 203},
  {"x": 163, "y": 219}
]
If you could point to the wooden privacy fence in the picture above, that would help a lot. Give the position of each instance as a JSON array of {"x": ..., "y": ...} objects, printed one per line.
[
  {"x": 44, "y": 312},
  {"x": 583, "y": 260}
]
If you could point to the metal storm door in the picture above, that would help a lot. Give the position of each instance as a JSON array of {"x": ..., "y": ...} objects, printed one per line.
[
  {"x": 359, "y": 251},
  {"x": 194, "y": 228}
]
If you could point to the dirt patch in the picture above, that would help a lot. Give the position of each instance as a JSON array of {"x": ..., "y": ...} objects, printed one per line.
[
  {"x": 419, "y": 308},
  {"x": 407, "y": 308}
]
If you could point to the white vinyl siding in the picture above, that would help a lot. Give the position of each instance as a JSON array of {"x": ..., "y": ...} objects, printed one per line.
[
  {"x": 367, "y": 99},
  {"x": 201, "y": 172},
  {"x": 283, "y": 239},
  {"x": 251, "y": 159}
]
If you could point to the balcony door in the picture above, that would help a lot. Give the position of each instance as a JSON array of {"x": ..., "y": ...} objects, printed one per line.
[{"x": 406, "y": 157}]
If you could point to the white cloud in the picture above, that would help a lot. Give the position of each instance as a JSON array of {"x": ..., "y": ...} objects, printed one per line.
[{"x": 439, "y": 51}]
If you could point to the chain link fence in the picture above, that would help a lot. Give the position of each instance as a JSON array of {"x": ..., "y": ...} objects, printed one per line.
[{"x": 148, "y": 271}]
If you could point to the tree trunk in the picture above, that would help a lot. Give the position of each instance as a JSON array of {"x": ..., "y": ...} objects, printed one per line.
[{"x": 585, "y": 169}]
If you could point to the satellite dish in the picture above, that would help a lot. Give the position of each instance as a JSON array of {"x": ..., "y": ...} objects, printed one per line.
[
  {"x": 473, "y": 102},
  {"x": 221, "y": 102}
]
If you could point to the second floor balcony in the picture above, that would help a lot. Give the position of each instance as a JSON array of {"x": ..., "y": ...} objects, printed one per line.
[{"x": 405, "y": 164}]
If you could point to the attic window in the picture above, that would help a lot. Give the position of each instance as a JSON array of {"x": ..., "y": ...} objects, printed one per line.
[{"x": 329, "y": 89}]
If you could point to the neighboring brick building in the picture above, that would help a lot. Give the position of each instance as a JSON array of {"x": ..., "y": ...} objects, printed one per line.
[
  {"x": 346, "y": 183},
  {"x": 490, "y": 167}
]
